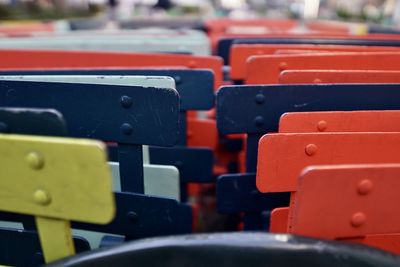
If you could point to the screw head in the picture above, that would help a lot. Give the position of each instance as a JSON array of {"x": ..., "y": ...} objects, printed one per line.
[
  {"x": 260, "y": 98},
  {"x": 41, "y": 197},
  {"x": 126, "y": 101},
  {"x": 132, "y": 216},
  {"x": 178, "y": 164},
  {"x": 317, "y": 80},
  {"x": 35, "y": 160},
  {"x": 311, "y": 149},
  {"x": 192, "y": 64},
  {"x": 178, "y": 79},
  {"x": 365, "y": 187},
  {"x": 126, "y": 129},
  {"x": 358, "y": 219},
  {"x": 283, "y": 66},
  {"x": 259, "y": 121},
  {"x": 322, "y": 125}
]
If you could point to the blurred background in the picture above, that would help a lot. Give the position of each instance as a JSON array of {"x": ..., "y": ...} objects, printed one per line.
[{"x": 386, "y": 12}]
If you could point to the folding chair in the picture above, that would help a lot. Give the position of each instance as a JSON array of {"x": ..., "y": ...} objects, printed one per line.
[
  {"x": 84, "y": 115},
  {"x": 64, "y": 180},
  {"x": 255, "y": 110}
]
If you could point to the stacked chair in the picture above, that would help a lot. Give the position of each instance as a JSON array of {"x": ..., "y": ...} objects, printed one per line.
[{"x": 119, "y": 146}]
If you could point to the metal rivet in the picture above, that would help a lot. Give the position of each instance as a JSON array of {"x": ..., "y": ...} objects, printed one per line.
[
  {"x": 260, "y": 52},
  {"x": 35, "y": 160},
  {"x": 189, "y": 134},
  {"x": 3, "y": 127},
  {"x": 364, "y": 187},
  {"x": 259, "y": 121},
  {"x": 255, "y": 194},
  {"x": 311, "y": 149},
  {"x": 283, "y": 66},
  {"x": 322, "y": 125},
  {"x": 41, "y": 197},
  {"x": 132, "y": 216},
  {"x": 317, "y": 80},
  {"x": 178, "y": 164},
  {"x": 260, "y": 98},
  {"x": 192, "y": 64},
  {"x": 177, "y": 79},
  {"x": 126, "y": 101},
  {"x": 358, "y": 219},
  {"x": 126, "y": 128}
]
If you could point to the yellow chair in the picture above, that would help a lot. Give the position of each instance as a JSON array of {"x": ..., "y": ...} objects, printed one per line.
[{"x": 56, "y": 180}]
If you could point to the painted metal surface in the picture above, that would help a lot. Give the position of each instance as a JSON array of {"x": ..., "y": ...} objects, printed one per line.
[
  {"x": 143, "y": 40},
  {"x": 106, "y": 116},
  {"x": 266, "y": 69},
  {"x": 195, "y": 86},
  {"x": 44, "y": 122},
  {"x": 256, "y": 110},
  {"x": 40, "y": 60},
  {"x": 59, "y": 176},
  {"x": 358, "y": 201},
  {"x": 340, "y": 121},
  {"x": 274, "y": 174},
  {"x": 240, "y": 53},
  {"x": 224, "y": 45},
  {"x": 338, "y": 76}
]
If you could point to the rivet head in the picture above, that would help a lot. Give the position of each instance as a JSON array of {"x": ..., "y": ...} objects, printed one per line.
[
  {"x": 41, "y": 197},
  {"x": 192, "y": 64},
  {"x": 126, "y": 129},
  {"x": 283, "y": 66},
  {"x": 317, "y": 80},
  {"x": 178, "y": 164},
  {"x": 260, "y": 99},
  {"x": 255, "y": 194},
  {"x": 365, "y": 187},
  {"x": 259, "y": 121},
  {"x": 311, "y": 149},
  {"x": 35, "y": 160},
  {"x": 189, "y": 134},
  {"x": 3, "y": 127},
  {"x": 322, "y": 125},
  {"x": 132, "y": 216},
  {"x": 358, "y": 219},
  {"x": 178, "y": 80},
  {"x": 260, "y": 52},
  {"x": 126, "y": 101}
]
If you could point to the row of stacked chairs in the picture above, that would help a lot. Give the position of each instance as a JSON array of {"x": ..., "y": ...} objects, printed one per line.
[{"x": 112, "y": 140}]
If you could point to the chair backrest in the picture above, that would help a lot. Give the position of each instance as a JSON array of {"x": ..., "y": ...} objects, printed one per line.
[
  {"x": 357, "y": 200},
  {"x": 266, "y": 69},
  {"x": 144, "y": 41},
  {"x": 241, "y": 53},
  {"x": 338, "y": 76},
  {"x": 281, "y": 157},
  {"x": 39, "y": 60},
  {"x": 255, "y": 110},
  {"x": 106, "y": 117},
  {"x": 56, "y": 180},
  {"x": 340, "y": 121},
  {"x": 392, "y": 40}
]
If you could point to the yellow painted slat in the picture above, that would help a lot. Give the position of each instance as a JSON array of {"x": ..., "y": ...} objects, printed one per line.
[
  {"x": 55, "y": 238},
  {"x": 56, "y": 177}
]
